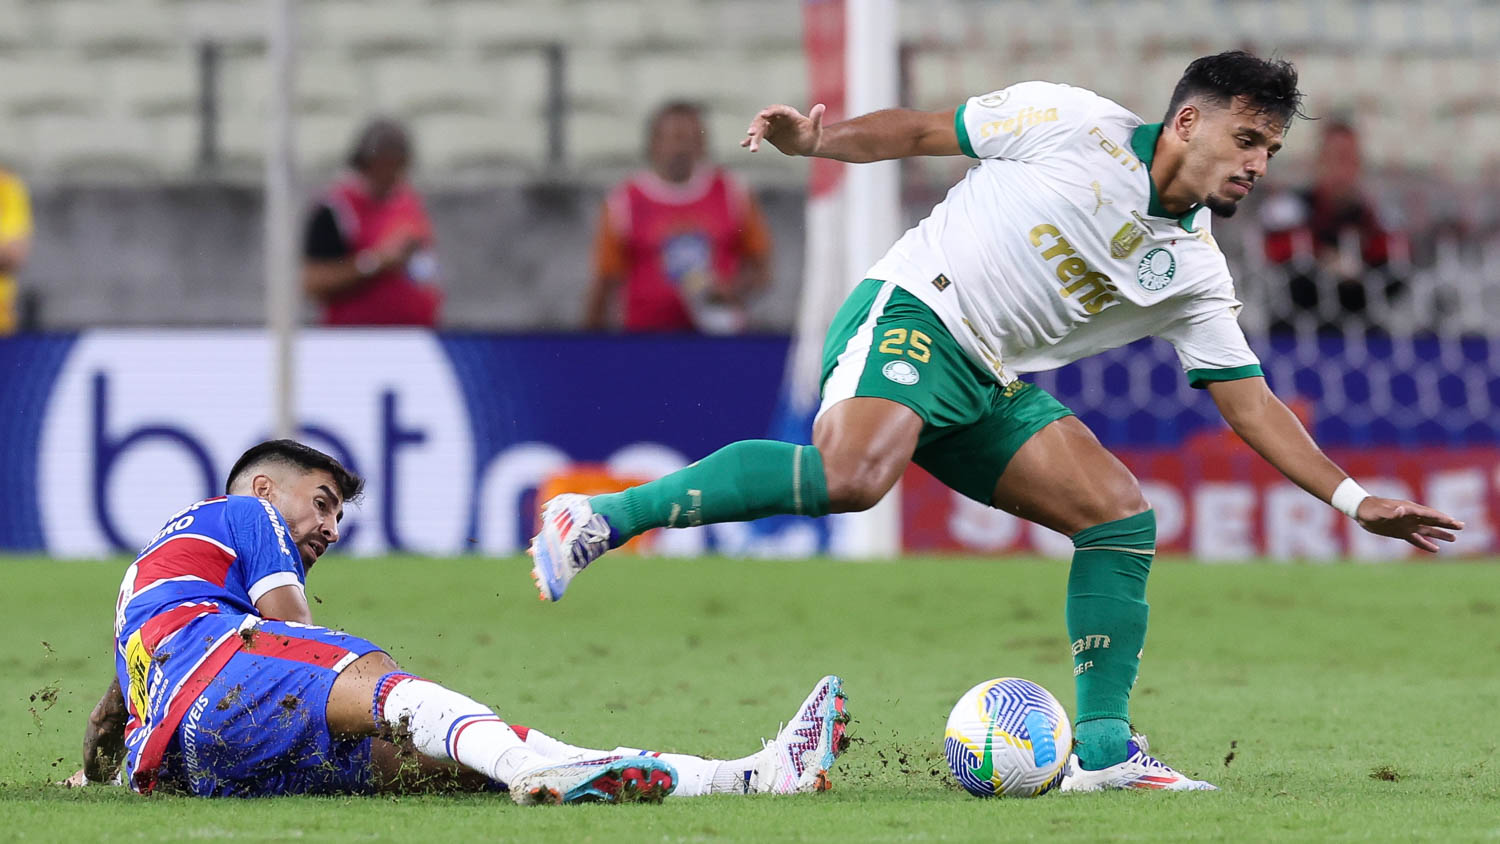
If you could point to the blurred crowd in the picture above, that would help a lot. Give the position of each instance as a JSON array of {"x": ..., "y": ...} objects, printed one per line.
[{"x": 682, "y": 245}]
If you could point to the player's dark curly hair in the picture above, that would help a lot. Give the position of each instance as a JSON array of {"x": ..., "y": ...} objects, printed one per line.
[
  {"x": 1270, "y": 85},
  {"x": 304, "y": 457}
]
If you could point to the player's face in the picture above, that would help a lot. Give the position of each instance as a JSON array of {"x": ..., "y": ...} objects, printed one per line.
[
  {"x": 310, "y": 503},
  {"x": 1228, "y": 151}
]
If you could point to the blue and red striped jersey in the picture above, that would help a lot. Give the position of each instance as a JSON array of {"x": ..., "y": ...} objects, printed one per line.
[
  {"x": 217, "y": 556},
  {"x": 229, "y": 551}
]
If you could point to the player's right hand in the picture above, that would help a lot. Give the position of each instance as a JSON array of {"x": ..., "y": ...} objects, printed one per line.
[
  {"x": 787, "y": 129},
  {"x": 1407, "y": 520}
]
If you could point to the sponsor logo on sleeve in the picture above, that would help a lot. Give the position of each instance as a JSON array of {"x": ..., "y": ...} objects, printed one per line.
[
  {"x": 1116, "y": 151},
  {"x": 1024, "y": 119},
  {"x": 275, "y": 525}
]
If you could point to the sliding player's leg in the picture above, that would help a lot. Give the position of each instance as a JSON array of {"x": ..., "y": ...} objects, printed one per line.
[
  {"x": 1063, "y": 479},
  {"x": 891, "y": 375},
  {"x": 797, "y": 760},
  {"x": 372, "y": 695}
]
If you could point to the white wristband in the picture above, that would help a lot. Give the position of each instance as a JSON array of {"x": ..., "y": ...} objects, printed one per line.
[{"x": 1347, "y": 497}]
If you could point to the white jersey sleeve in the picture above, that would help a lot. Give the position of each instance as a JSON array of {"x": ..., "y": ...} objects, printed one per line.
[
  {"x": 1210, "y": 344},
  {"x": 1024, "y": 121}
]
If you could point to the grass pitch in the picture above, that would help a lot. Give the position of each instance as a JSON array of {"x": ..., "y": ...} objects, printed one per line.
[{"x": 1330, "y": 702}]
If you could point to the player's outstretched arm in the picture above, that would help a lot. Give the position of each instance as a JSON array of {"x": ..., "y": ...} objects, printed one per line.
[
  {"x": 103, "y": 739},
  {"x": 1269, "y": 427},
  {"x": 878, "y": 136}
]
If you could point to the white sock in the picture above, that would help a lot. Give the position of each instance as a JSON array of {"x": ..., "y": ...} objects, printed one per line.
[
  {"x": 557, "y": 748},
  {"x": 447, "y": 725}
]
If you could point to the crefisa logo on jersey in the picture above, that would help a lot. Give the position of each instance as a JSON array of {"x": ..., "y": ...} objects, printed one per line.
[
  {"x": 1156, "y": 269},
  {"x": 901, "y": 372}
]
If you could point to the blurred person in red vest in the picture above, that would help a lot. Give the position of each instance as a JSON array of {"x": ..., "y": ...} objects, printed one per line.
[
  {"x": 683, "y": 242},
  {"x": 367, "y": 256},
  {"x": 1329, "y": 235}
]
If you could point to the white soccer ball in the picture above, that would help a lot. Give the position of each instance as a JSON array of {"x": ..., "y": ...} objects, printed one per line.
[{"x": 1008, "y": 737}]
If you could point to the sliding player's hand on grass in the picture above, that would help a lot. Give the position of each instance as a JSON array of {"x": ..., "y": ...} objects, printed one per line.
[
  {"x": 104, "y": 739},
  {"x": 787, "y": 129},
  {"x": 1407, "y": 520}
]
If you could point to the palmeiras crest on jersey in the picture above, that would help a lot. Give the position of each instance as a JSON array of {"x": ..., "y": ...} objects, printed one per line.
[
  {"x": 1156, "y": 269},
  {"x": 901, "y": 372}
]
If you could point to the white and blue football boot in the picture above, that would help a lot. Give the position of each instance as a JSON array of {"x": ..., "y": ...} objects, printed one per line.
[
  {"x": 572, "y": 536},
  {"x": 1139, "y": 770},
  {"x": 799, "y": 758},
  {"x": 611, "y": 779}
]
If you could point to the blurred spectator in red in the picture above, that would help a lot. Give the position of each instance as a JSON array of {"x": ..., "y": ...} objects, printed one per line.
[
  {"x": 367, "y": 255},
  {"x": 1330, "y": 235},
  {"x": 15, "y": 245},
  {"x": 684, "y": 242}
]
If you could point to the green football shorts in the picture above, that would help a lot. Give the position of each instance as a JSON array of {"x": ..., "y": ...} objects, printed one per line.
[{"x": 884, "y": 343}]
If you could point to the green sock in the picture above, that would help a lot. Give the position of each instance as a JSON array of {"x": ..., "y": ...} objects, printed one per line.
[
  {"x": 739, "y": 482},
  {"x": 1106, "y": 613}
]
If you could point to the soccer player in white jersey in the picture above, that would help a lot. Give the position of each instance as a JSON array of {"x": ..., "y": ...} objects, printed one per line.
[{"x": 1080, "y": 229}]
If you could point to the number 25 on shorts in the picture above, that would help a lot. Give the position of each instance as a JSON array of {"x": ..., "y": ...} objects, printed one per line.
[{"x": 896, "y": 342}]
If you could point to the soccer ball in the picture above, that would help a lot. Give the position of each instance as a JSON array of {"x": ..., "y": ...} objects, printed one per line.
[{"x": 1009, "y": 737}]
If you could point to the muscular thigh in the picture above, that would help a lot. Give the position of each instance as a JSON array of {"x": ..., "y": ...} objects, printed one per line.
[
  {"x": 1063, "y": 479},
  {"x": 971, "y": 458}
]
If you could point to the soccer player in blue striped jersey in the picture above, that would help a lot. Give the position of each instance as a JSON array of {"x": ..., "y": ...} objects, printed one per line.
[{"x": 225, "y": 687}]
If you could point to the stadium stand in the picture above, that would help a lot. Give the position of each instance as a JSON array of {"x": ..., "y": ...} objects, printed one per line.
[
  {"x": 111, "y": 93},
  {"x": 428, "y": 61}
]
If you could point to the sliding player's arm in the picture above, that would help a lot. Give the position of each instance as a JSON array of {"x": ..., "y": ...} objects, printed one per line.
[
  {"x": 285, "y": 603},
  {"x": 878, "y": 136},
  {"x": 1269, "y": 426},
  {"x": 103, "y": 739}
]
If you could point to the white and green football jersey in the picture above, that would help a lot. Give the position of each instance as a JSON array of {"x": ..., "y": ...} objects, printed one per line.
[{"x": 1055, "y": 246}]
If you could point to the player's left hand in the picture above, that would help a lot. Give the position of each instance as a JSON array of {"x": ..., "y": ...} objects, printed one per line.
[
  {"x": 104, "y": 737},
  {"x": 1407, "y": 520},
  {"x": 78, "y": 780}
]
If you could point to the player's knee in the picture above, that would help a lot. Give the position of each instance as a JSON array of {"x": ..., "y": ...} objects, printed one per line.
[
  {"x": 367, "y": 670},
  {"x": 378, "y": 661},
  {"x": 857, "y": 488},
  {"x": 1125, "y": 500}
]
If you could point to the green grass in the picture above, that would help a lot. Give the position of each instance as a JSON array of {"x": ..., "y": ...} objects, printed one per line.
[{"x": 1359, "y": 701}]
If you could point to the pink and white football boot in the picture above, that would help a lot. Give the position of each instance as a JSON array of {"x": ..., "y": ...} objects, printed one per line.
[
  {"x": 799, "y": 758},
  {"x": 572, "y": 536}
]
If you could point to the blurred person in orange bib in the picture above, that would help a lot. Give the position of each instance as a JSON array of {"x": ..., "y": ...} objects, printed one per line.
[
  {"x": 683, "y": 242},
  {"x": 15, "y": 245},
  {"x": 367, "y": 255}
]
